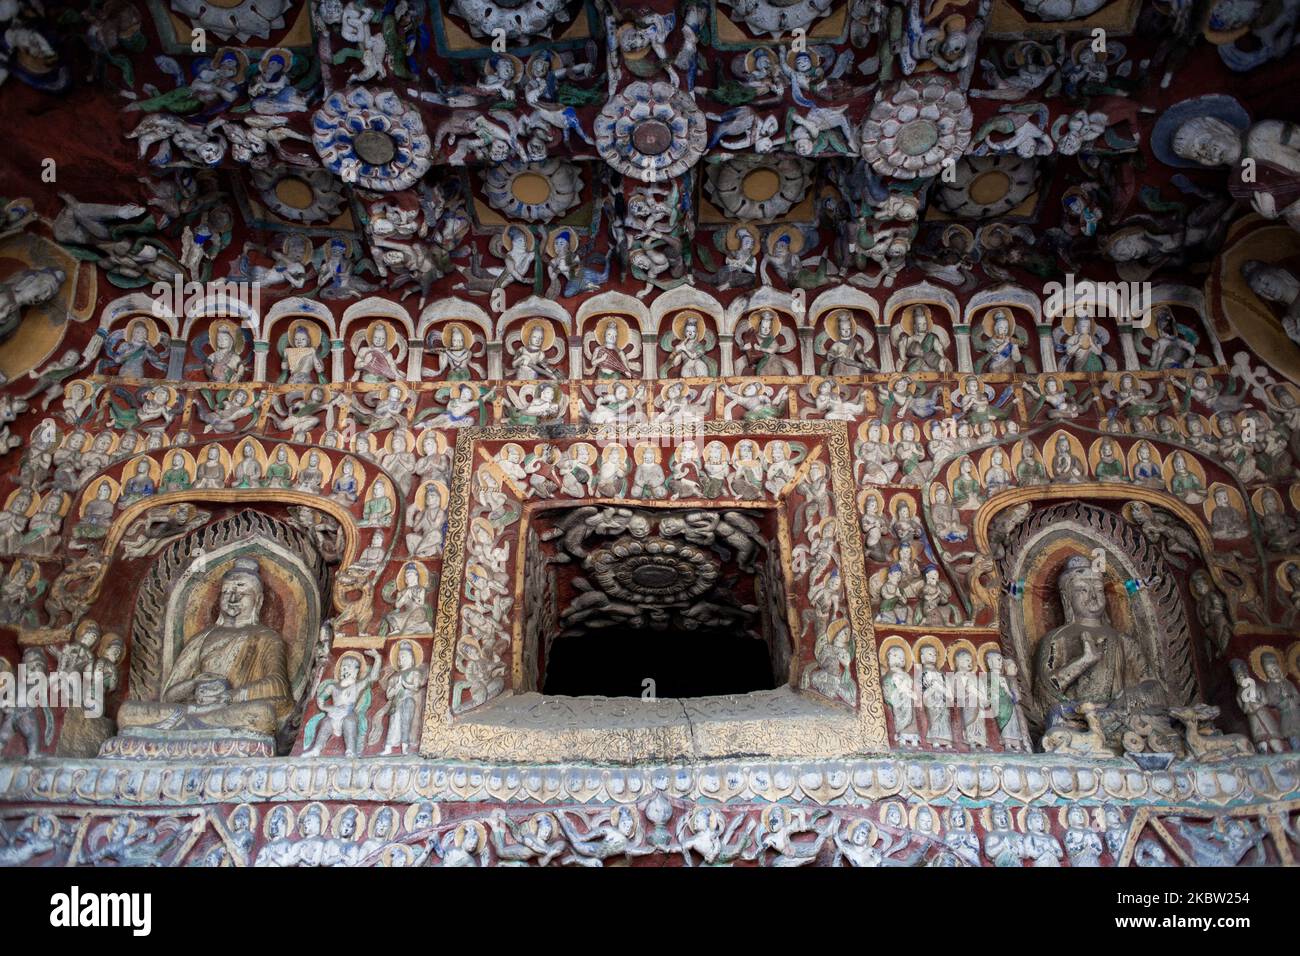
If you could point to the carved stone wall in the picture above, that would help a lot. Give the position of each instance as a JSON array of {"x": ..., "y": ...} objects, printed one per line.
[{"x": 952, "y": 351}]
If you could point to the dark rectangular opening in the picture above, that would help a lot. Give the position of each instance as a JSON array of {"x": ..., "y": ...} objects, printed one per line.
[{"x": 656, "y": 602}]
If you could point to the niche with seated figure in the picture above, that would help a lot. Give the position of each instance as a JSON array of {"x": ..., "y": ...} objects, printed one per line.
[
  {"x": 1097, "y": 627},
  {"x": 223, "y": 637}
]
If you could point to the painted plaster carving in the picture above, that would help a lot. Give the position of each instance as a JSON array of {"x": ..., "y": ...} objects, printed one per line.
[{"x": 909, "y": 392}]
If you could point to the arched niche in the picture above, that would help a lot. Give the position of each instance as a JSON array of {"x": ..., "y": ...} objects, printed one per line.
[
  {"x": 1174, "y": 332},
  {"x": 1143, "y": 601},
  {"x": 922, "y": 322},
  {"x": 177, "y": 599},
  {"x": 453, "y": 338},
  {"x": 140, "y": 338},
  {"x": 689, "y": 345},
  {"x": 1090, "y": 329},
  {"x": 534, "y": 346},
  {"x": 1023, "y": 347},
  {"x": 767, "y": 341},
  {"x": 401, "y": 343},
  {"x": 271, "y": 356},
  {"x": 837, "y": 349}
]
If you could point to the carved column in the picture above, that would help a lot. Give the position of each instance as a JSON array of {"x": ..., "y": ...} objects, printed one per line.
[
  {"x": 884, "y": 348},
  {"x": 176, "y": 359},
  {"x": 962, "y": 333},
  {"x": 414, "y": 360},
  {"x": 807, "y": 359},
  {"x": 575, "y": 357},
  {"x": 1046, "y": 350},
  {"x": 260, "y": 350},
  {"x": 649, "y": 356},
  {"x": 725, "y": 347},
  {"x": 1126, "y": 342},
  {"x": 337, "y": 372}
]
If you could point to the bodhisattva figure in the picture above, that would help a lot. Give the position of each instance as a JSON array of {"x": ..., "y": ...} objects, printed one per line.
[
  {"x": 1283, "y": 697},
  {"x": 844, "y": 346},
  {"x": 1088, "y": 661},
  {"x": 1004, "y": 703},
  {"x": 404, "y": 692},
  {"x": 901, "y": 696},
  {"x": 231, "y": 677},
  {"x": 922, "y": 349},
  {"x": 533, "y": 358},
  {"x": 225, "y": 363},
  {"x": 343, "y": 701},
  {"x": 1262, "y": 721}
]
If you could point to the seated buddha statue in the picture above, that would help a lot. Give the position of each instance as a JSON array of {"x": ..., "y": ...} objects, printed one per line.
[
  {"x": 231, "y": 676},
  {"x": 1088, "y": 660}
]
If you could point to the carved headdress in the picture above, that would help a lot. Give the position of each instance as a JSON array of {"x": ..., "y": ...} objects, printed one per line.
[{"x": 244, "y": 566}]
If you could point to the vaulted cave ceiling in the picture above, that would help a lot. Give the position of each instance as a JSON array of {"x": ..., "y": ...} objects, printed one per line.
[{"x": 340, "y": 149}]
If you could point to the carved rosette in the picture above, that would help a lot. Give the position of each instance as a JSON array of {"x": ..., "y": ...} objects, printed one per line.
[
  {"x": 758, "y": 187},
  {"x": 533, "y": 192},
  {"x": 652, "y": 571},
  {"x": 916, "y": 128},
  {"x": 299, "y": 195},
  {"x": 988, "y": 186},
  {"x": 651, "y": 131},
  {"x": 372, "y": 140}
]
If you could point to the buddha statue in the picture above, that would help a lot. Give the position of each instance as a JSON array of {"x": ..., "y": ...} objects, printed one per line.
[
  {"x": 1086, "y": 659},
  {"x": 231, "y": 677}
]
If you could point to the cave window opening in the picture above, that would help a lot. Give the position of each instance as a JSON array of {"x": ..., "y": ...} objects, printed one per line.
[
  {"x": 661, "y": 603},
  {"x": 619, "y": 663}
]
